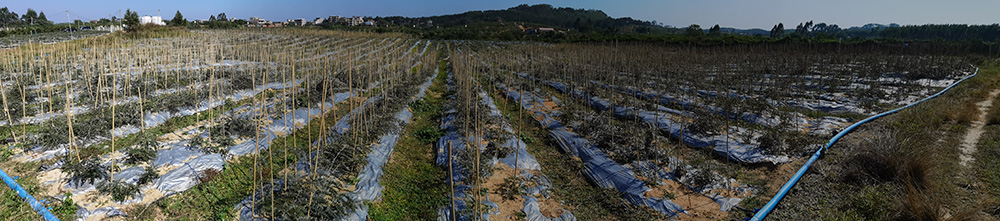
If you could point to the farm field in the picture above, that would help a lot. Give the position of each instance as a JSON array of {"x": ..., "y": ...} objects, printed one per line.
[
  {"x": 287, "y": 124},
  {"x": 13, "y": 41}
]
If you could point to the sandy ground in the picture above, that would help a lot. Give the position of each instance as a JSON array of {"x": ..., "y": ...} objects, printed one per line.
[
  {"x": 971, "y": 138},
  {"x": 698, "y": 206},
  {"x": 508, "y": 208}
]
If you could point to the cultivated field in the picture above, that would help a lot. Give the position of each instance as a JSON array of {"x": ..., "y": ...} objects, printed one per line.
[{"x": 294, "y": 123}]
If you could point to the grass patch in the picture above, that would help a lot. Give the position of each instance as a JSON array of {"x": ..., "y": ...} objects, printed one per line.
[
  {"x": 13, "y": 207},
  {"x": 414, "y": 184}
]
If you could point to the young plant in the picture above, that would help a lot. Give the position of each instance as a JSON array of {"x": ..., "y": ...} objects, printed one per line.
[{"x": 86, "y": 171}]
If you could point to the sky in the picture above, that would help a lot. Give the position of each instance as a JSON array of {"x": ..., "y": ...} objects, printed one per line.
[{"x": 679, "y": 13}]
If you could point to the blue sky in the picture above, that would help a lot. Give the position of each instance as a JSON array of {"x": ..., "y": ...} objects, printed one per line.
[{"x": 727, "y": 13}]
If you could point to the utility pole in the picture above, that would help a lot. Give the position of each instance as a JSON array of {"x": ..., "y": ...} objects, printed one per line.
[{"x": 68, "y": 20}]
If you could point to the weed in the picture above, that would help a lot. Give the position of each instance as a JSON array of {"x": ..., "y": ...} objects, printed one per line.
[
  {"x": 208, "y": 175},
  {"x": 424, "y": 105},
  {"x": 873, "y": 203},
  {"x": 428, "y": 134},
  {"x": 5, "y": 153},
  {"x": 67, "y": 209},
  {"x": 509, "y": 189},
  {"x": 670, "y": 196},
  {"x": 527, "y": 139}
]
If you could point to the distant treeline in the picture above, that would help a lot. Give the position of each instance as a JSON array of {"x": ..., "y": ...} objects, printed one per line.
[{"x": 952, "y": 32}]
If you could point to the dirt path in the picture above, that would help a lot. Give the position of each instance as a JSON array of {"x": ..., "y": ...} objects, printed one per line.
[{"x": 976, "y": 131}]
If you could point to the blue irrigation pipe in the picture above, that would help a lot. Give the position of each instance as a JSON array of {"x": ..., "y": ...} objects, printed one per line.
[
  {"x": 802, "y": 171},
  {"x": 38, "y": 206}
]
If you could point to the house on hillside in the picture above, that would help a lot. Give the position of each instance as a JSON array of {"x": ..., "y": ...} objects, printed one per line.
[{"x": 536, "y": 30}]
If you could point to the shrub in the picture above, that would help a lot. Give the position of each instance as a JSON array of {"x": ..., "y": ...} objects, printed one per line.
[
  {"x": 196, "y": 141},
  {"x": 147, "y": 139},
  {"x": 240, "y": 126},
  {"x": 118, "y": 190},
  {"x": 222, "y": 140},
  {"x": 86, "y": 171},
  {"x": 139, "y": 154},
  {"x": 150, "y": 175}
]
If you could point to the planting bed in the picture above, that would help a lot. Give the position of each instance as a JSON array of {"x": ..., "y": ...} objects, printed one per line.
[{"x": 639, "y": 115}]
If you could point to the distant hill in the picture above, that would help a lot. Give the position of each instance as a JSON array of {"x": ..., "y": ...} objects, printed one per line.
[
  {"x": 754, "y": 31},
  {"x": 540, "y": 14},
  {"x": 582, "y": 20}
]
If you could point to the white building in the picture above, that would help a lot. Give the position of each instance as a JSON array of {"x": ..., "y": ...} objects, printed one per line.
[
  {"x": 356, "y": 20},
  {"x": 156, "y": 20}
]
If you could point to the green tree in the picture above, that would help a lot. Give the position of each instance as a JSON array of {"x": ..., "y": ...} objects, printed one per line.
[
  {"x": 694, "y": 30},
  {"x": 178, "y": 19},
  {"x": 211, "y": 18},
  {"x": 8, "y": 17},
  {"x": 29, "y": 17},
  {"x": 131, "y": 21},
  {"x": 221, "y": 17},
  {"x": 804, "y": 29},
  {"x": 715, "y": 30},
  {"x": 778, "y": 30},
  {"x": 42, "y": 20}
]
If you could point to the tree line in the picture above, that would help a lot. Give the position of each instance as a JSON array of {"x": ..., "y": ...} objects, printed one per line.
[{"x": 10, "y": 18}]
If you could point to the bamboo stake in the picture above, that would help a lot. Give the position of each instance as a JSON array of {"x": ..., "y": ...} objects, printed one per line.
[{"x": 451, "y": 182}]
